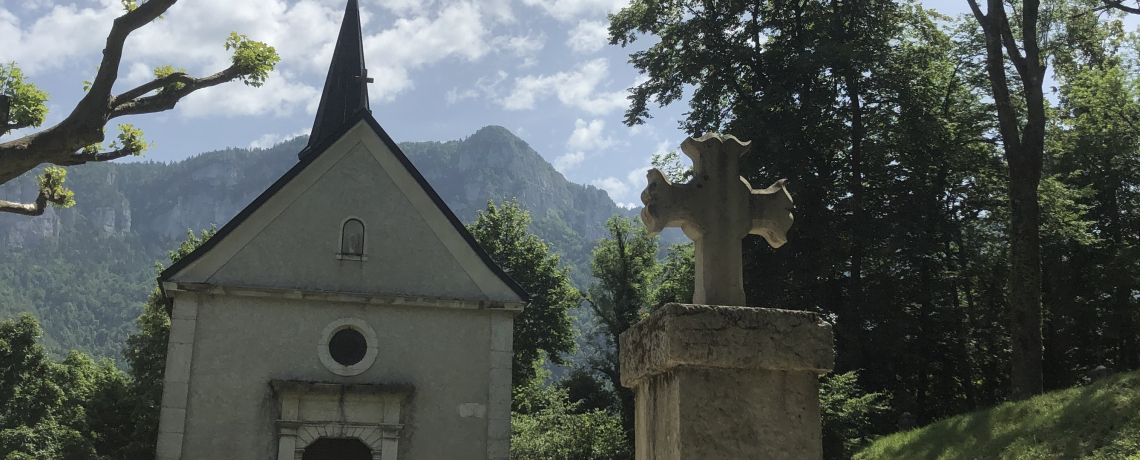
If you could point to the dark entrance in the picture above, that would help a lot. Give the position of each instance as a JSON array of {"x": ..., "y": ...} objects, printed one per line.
[{"x": 337, "y": 449}]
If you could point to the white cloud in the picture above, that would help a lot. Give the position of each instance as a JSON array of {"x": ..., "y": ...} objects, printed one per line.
[
  {"x": 456, "y": 32},
  {"x": 270, "y": 139},
  {"x": 454, "y": 95},
  {"x": 575, "y": 89},
  {"x": 662, "y": 150},
  {"x": 265, "y": 141},
  {"x": 138, "y": 74},
  {"x": 612, "y": 185},
  {"x": 521, "y": 46},
  {"x": 278, "y": 96},
  {"x": 636, "y": 177},
  {"x": 588, "y": 37},
  {"x": 568, "y": 10},
  {"x": 628, "y": 205},
  {"x": 568, "y": 161},
  {"x": 646, "y": 129},
  {"x": 588, "y": 136},
  {"x": 303, "y": 32},
  {"x": 56, "y": 38}
]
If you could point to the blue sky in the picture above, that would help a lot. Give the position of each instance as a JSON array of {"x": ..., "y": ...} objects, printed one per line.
[{"x": 442, "y": 69}]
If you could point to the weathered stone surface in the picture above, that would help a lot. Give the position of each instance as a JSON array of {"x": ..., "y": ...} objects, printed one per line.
[
  {"x": 729, "y": 414},
  {"x": 704, "y": 336}
]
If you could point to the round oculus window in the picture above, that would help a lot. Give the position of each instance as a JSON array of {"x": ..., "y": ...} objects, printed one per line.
[{"x": 348, "y": 347}]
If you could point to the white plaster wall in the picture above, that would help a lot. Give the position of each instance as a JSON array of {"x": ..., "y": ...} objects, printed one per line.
[
  {"x": 242, "y": 343},
  {"x": 297, "y": 250}
]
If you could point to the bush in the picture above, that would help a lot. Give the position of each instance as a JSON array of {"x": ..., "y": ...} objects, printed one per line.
[
  {"x": 546, "y": 426},
  {"x": 846, "y": 410}
]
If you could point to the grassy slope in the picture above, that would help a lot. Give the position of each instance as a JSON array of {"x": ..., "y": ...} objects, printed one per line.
[{"x": 1099, "y": 421}]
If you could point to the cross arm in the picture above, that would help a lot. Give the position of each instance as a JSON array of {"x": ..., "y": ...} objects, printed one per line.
[
  {"x": 771, "y": 211},
  {"x": 664, "y": 203}
]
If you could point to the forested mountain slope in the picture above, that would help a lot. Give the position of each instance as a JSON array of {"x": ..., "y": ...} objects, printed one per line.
[{"x": 85, "y": 271}]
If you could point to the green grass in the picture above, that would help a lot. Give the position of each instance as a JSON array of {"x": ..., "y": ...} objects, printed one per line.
[{"x": 1095, "y": 422}]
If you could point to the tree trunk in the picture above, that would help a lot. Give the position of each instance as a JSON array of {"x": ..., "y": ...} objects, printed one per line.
[
  {"x": 1025, "y": 282},
  {"x": 1024, "y": 147}
]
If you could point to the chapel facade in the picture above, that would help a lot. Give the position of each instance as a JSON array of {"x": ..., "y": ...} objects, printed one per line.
[{"x": 345, "y": 313}]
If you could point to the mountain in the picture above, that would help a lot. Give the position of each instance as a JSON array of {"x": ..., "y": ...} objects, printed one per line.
[{"x": 86, "y": 271}]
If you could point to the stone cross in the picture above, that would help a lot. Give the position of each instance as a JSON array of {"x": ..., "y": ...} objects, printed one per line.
[{"x": 717, "y": 209}]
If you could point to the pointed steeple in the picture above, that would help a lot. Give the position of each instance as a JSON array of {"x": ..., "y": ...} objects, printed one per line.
[{"x": 346, "y": 87}]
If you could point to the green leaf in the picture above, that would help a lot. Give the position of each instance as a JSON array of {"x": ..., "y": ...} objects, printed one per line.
[
  {"x": 28, "y": 104},
  {"x": 252, "y": 58},
  {"x": 51, "y": 184},
  {"x": 166, "y": 71}
]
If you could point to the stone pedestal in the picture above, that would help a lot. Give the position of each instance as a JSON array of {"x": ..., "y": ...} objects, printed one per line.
[{"x": 729, "y": 383}]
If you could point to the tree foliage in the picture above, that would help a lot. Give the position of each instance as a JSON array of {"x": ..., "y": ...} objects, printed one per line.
[
  {"x": 548, "y": 426},
  {"x": 28, "y": 102},
  {"x": 52, "y": 410},
  {"x": 912, "y": 192},
  {"x": 846, "y": 414},
  {"x": 625, "y": 267},
  {"x": 543, "y": 328}
]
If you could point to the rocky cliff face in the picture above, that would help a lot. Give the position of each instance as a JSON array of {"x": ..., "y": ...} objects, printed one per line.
[
  {"x": 495, "y": 164},
  {"x": 159, "y": 202}
]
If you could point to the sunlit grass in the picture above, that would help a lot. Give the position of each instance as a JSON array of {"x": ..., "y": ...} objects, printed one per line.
[{"x": 1095, "y": 422}]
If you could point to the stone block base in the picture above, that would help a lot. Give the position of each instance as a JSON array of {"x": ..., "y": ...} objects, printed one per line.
[
  {"x": 728, "y": 414},
  {"x": 727, "y": 383}
]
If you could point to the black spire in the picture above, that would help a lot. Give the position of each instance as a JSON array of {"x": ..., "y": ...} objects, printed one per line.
[{"x": 346, "y": 87}]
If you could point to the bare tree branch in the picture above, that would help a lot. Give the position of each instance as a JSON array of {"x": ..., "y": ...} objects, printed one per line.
[
  {"x": 100, "y": 91},
  {"x": 170, "y": 96},
  {"x": 1117, "y": 5},
  {"x": 982, "y": 19},
  {"x": 81, "y": 157},
  {"x": 31, "y": 209},
  {"x": 1011, "y": 48},
  {"x": 158, "y": 83}
]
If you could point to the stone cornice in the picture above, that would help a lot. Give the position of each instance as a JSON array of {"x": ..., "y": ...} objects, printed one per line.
[{"x": 175, "y": 289}]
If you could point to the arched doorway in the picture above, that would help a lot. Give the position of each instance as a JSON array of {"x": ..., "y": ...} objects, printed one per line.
[{"x": 337, "y": 449}]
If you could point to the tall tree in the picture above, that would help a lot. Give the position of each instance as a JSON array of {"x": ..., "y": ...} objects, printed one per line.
[
  {"x": 1095, "y": 149},
  {"x": 625, "y": 266},
  {"x": 1023, "y": 142},
  {"x": 78, "y": 138},
  {"x": 875, "y": 115},
  {"x": 543, "y": 328}
]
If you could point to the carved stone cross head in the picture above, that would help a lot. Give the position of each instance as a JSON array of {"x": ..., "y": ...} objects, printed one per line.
[{"x": 717, "y": 209}]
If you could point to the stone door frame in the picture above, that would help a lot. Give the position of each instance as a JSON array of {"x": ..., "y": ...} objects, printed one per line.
[
  {"x": 381, "y": 433},
  {"x": 382, "y": 439}
]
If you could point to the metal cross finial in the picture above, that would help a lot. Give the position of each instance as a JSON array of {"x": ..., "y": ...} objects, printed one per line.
[
  {"x": 716, "y": 209},
  {"x": 365, "y": 77}
]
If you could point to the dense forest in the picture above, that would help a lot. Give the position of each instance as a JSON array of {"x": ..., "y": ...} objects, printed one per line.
[{"x": 970, "y": 230}]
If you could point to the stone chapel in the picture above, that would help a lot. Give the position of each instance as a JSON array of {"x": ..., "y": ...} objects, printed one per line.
[{"x": 346, "y": 313}]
